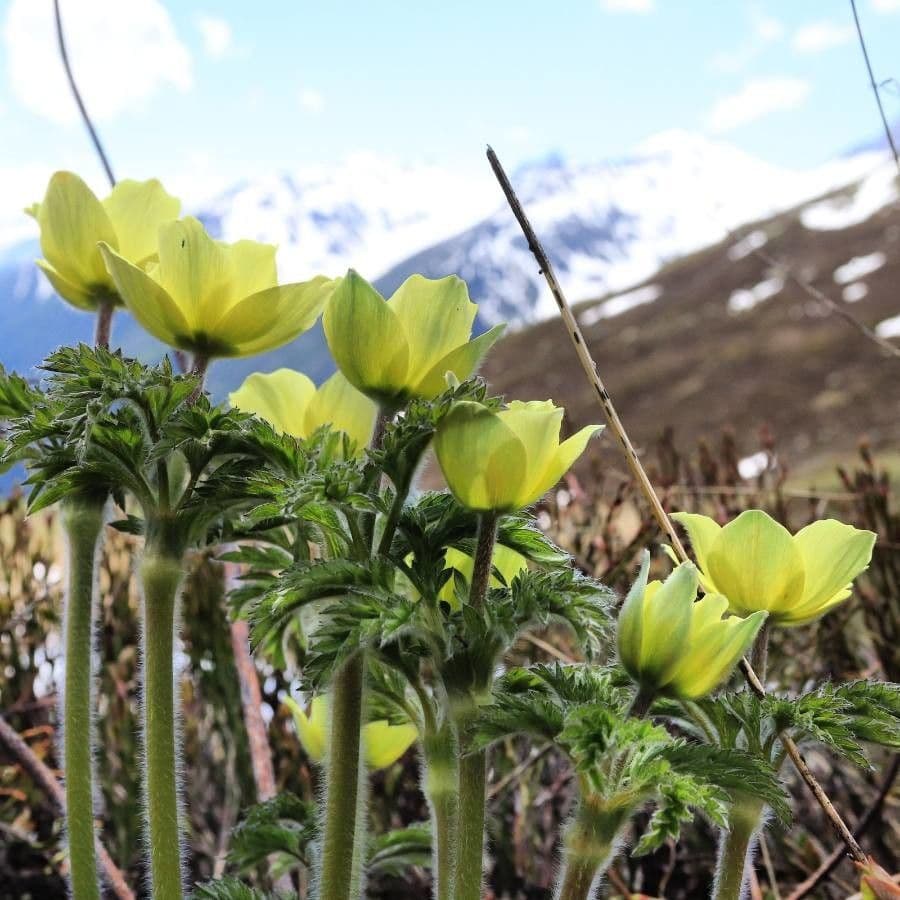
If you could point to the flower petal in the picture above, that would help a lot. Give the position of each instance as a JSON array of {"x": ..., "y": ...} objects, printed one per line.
[
  {"x": 462, "y": 361},
  {"x": 483, "y": 461},
  {"x": 833, "y": 555},
  {"x": 66, "y": 289},
  {"x": 630, "y": 622},
  {"x": 72, "y": 222},
  {"x": 436, "y": 315},
  {"x": 560, "y": 463},
  {"x": 254, "y": 267},
  {"x": 338, "y": 404},
  {"x": 386, "y": 743},
  {"x": 755, "y": 563},
  {"x": 270, "y": 318},
  {"x": 312, "y": 729},
  {"x": 281, "y": 398},
  {"x": 536, "y": 424},
  {"x": 147, "y": 301},
  {"x": 665, "y": 624},
  {"x": 366, "y": 339},
  {"x": 702, "y": 532},
  {"x": 136, "y": 210}
]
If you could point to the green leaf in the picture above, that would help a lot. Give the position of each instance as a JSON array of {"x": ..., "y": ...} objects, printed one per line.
[
  {"x": 285, "y": 825},
  {"x": 394, "y": 852}
]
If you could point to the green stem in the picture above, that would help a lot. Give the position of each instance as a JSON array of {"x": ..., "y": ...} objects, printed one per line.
[
  {"x": 588, "y": 847},
  {"x": 736, "y": 847},
  {"x": 340, "y": 876},
  {"x": 442, "y": 791},
  {"x": 83, "y": 524},
  {"x": 161, "y": 577},
  {"x": 759, "y": 657}
]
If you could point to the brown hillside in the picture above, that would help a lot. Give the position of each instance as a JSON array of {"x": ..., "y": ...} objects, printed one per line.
[{"x": 686, "y": 360}]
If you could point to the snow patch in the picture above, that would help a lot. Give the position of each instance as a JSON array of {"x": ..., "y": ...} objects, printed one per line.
[
  {"x": 753, "y": 466},
  {"x": 618, "y": 305},
  {"x": 889, "y": 328},
  {"x": 859, "y": 267},
  {"x": 746, "y": 298},
  {"x": 855, "y": 292},
  {"x": 747, "y": 245},
  {"x": 873, "y": 193}
]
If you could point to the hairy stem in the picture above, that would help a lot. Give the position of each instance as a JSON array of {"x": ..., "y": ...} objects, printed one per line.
[
  {"x": 83, "y": 525},
  {"x": 442, "y": 791},
  {"x": 759, "y": 657},
  {"x": 161, "y": 577},
  {"x": 641, "y": 704},
  {"x": 340, "y": 875},
  {"x": 736, "y": 848},
  {"x": 103, "y": 325},
  {"x": 588, "y": 847}
]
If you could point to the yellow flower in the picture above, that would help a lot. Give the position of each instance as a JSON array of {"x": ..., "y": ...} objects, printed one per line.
[
  {"x": 290, "y": 402},
  {"x": 505, "y": 560},
  {"x": 73, "y": 222},
  {"x": 384, "y": 743},
  {"x": 505, "y": 460},
  {"x": 213, "y": 298},
  {"x": 673, "y": 643},
  {"x": 404, "y": 347},
  {"x": 757, "y": 564}
]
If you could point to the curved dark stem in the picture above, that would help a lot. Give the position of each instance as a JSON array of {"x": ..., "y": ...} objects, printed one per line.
[
  {"x": 875, "y": 91},
  {"x": 200, "y": 367},
  {"x": 103, "y": 325},
  {"x": 641, "y": 704},
  {"x": 75, "y": 92},
  {"x": 759, "y": 657}
]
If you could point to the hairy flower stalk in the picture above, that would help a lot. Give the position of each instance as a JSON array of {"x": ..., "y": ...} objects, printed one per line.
[
  {"x": 473, "y": 765},
  {"x": 82, "y": 520},
  {"x": 736, "y": 848},
  {"x": 441, "y": 788},
  {"x": 161, "y": 575}
]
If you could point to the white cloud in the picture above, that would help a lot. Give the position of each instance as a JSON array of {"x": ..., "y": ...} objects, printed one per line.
[
  {"x": 311, "y": 100},
  {"x": 121, "y": 53},
  {"x": 763, "y": 30},
  {"x": 886, "y": 6},
  {"x": 628, "y": 6},
  {"x": 217, "y": 36},
  {"x": 818, "y": 36},
  {"x": 757, "y": 98},
  {"x": 768, "y": 29}
]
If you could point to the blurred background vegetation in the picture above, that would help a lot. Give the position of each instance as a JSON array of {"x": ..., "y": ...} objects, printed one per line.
[{"x": 597, "y": 517}]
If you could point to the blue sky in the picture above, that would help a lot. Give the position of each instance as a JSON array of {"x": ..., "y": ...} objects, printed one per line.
[{"x": 211, "y": 92}]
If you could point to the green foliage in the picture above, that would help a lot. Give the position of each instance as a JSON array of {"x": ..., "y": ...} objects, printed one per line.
[
  {"x": 232, "y": 889},
  {"x": 394, "y": 852},
  {"x": 285, "y": 826}
]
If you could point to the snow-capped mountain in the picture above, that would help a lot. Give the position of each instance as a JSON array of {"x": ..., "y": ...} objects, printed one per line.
[{"x": 606, "y": 226}]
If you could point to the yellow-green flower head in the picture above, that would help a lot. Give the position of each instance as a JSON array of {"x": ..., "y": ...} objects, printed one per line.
[
  {"x": 290, "y": 402},
  {"x": 673, "y": 643},
  {"x": 73, "y": 222},
  {"x": 402, "y": 348},
  {"x": 384, "y": 743},
  {"x": 757, "y": 564},
  {"x": 505, "y": 459},
  {"x": 505, "y": 560},
  {"x": 213, "y": 298}
]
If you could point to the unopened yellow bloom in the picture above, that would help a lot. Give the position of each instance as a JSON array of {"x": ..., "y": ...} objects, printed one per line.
[
  {"x": 505, "y": 459},
  {"x": 73, "y": 222},
  {"x": 384, "y": 743},
  {"x": 758, "y": 565},
  {"x": 290, "y": 402},
  {"x": 402, "y": 348},
  {"x": 212, "y": 298},
  {"x": 505, "y": 560},
  {"x": 673, "y": 643}
]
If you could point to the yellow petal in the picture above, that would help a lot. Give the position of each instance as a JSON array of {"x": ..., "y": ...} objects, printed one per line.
[
  {"x": 147, "y": 301},
  {"x": 312, "y": 729},
  {"x": 508, "y": 563},
  {"x": 280, "y": 397},
  {"x": 72, "y": 222},
  {"x": 560, "y": 463},
  {"x": 702, "y": 532},
  {"x": 629, "y": 627},
  {"x": 196, "y": 272},
  {"x": 340, "y": 405},
  {"x": 254, "y": 267},
  {"x": 536, "y": 424},
  {"x": 136, "y": 210},
  {"x": 756, "y": 564},
  {"x": 833, "y": 555},
  {"x": 482, "y": 460},
  {"x": 386, "y": 743},
  {"x": 436, "y": 316},
  {"x": 366, "y": 339},
  {"x": 270, "y": 318},
  {"x": 75, "y": 295},
  {"x": 462, "y": 361}
]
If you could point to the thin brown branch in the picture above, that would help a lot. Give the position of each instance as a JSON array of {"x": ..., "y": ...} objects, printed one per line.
[
  {"x": 46, "y": 781},
  {"x": 874, "y": 84},
  {"x": 95, "y": 138},
  {"x": 514, "y": 775},
  {"x": 640, "y": 475}
]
